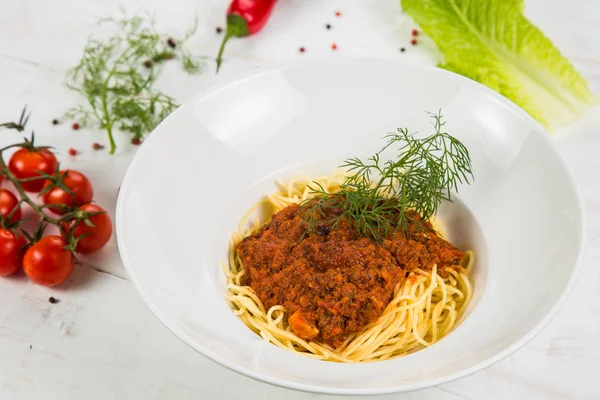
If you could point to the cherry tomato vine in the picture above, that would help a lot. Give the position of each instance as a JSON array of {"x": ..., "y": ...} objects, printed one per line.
[{"x": 64, "y": 200}]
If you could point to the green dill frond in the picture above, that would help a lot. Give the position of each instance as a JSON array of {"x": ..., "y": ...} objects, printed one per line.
[
  {"x": 116, "y": 76},
  {"x": 378, "y": 195}
]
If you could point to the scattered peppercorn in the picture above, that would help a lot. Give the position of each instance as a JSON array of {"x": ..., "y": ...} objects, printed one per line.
[
  {"x": 97, "y": 146},
  {"x": 72, "y": 152},
  {"x": 413, "y": 42},
  {"x": 337, "y": 13},
  {"x": 402, "y": 49},
  {"x": 334, "y": 46},
  {"x": 54, "y": 122},
  {"x": 170, "y": 56},
  {"x": 328, "y": 26},
  {"x": 136, "y": 141},
  {"x": 30, "y": 347},
  {"x": 75, "y": 126},
  {"x": 148, "y": 63},
  {"x": 171, "y": 43},
  {"x": 219, "y": 29},
  {"x": 415, "y": 32},
  {"x": 322, "y": 230},
  {"x": 53, "y": 300},
  {"x": 302, "y": 49}
]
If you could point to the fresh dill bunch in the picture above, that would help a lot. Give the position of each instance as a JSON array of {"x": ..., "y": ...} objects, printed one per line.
[
  {"x": 116, "y": 76},
  {"x": 381, "y": 197}
]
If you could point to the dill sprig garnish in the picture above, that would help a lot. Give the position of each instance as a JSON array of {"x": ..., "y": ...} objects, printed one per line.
[
  {"x": 116, "y": 77},
  {"x": 378, "y": 195}
]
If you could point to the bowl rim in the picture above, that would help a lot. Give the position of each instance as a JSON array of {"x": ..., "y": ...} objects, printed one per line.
[{"x": 221, "y": 83}]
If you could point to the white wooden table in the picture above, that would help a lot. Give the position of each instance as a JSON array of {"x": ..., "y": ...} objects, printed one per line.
[{"x": 102, "y": 342}]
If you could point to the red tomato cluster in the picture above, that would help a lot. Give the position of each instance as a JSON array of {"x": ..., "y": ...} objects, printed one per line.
[{"x": 50, "y": 260}]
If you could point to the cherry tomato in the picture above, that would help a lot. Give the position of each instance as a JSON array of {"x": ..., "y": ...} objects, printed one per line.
[
  {"x": 97, "y": 236},
  {"x": 8, "y": 201},
  {"x": 26, "y": 163},
  {"x": 11, "y": 252},
  {"x": 77, "y": 182},
  {"x": 48, "y": 262}
]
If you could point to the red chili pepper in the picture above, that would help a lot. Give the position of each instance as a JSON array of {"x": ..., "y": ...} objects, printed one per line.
[{"x": 244, "y": 18}]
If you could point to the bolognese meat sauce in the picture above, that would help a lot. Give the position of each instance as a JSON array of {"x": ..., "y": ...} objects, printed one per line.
[{"x": 331, "y": 282}]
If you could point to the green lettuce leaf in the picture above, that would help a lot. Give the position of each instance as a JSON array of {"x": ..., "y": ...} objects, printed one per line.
[{"x": 492, "y": 42}]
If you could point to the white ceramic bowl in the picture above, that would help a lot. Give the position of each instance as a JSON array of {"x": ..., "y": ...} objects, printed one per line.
[{"x": 216, "y": 155}]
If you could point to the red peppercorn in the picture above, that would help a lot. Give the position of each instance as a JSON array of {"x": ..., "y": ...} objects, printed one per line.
[
  {"x": 72, "y": 152},
  {"x": 54, "y": 122},
  {"x": 75, "y": 126},
  {"x": 334, "y": 46},
  {"x": 169, "y": 56},
  {"x": 415, "y": 32},
  {"x": 413, "y": 42},
  {"x": 337, "y": 13},
  {"x": 302, "y": 49},
  {"x": 97, "y": 146},
  {"x": 136, "y": 141}
]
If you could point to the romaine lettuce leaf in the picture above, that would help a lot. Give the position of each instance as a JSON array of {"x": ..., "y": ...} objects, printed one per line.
[{"x": 492, "y": 42}]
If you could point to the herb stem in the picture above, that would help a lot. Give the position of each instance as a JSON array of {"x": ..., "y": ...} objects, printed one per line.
[
  {"x": 108, "y": 124},
  {"x": 107, "y": 120}
]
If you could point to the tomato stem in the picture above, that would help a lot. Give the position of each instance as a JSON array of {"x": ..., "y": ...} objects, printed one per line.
[
  {"x": 4, "y": 170},
  {"x": 70, "y": 214}
]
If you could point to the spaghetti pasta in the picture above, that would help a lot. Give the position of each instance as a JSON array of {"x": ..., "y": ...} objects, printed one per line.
[{"x": 425, "y": 307}]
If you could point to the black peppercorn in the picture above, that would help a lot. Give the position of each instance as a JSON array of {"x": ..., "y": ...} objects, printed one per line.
[{"x": 322, "y": 230}]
